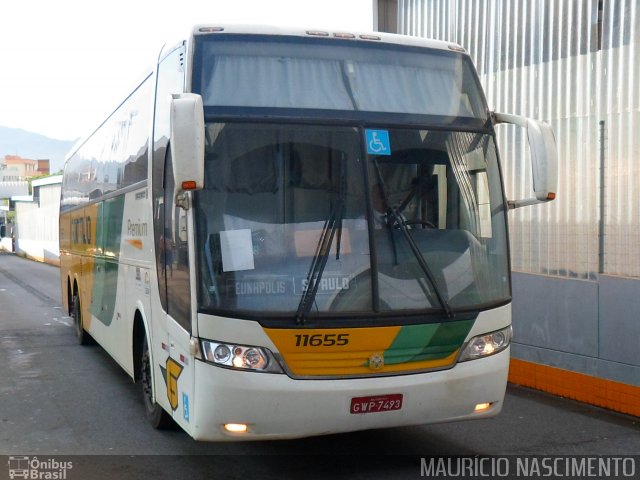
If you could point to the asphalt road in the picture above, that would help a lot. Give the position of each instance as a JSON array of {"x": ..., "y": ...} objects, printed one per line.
[{"x": 58, "y": 399}]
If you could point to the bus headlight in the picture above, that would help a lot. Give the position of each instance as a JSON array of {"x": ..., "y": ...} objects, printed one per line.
[
  {"x": 242, "y": 357},
  {"x": 487, "y": 344}
]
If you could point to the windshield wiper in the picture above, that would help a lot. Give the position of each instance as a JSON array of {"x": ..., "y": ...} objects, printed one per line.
[
  {"x": 398, "y": 220},
  {"x": 331, "y": 225}
]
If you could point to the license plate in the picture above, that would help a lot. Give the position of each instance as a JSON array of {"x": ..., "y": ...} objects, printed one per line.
[{"x": 376, "y": 403}]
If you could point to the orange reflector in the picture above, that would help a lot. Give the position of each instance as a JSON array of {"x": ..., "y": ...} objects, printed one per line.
[
  {"x": 551, "y": 196},
  {"x": 189, "y": 185}
]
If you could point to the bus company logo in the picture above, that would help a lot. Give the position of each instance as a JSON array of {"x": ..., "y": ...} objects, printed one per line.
[
  {"x": 376, "y": 361},
  {"x": 171, "y": 373},
  {"x": 33, "y": 468}
]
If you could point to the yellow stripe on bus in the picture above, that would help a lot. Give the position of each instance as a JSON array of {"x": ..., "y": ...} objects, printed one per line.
[
  {"x": 83, "y": 242},
  {"x": 338, "y": 368},
  {"x": 349, "y": 351}
]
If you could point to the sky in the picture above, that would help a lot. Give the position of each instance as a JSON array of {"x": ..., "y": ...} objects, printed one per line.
[{"x": 66, "y": 64}]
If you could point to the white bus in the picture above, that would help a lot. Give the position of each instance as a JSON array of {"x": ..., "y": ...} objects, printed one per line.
[{"x": 291, "y": 233}]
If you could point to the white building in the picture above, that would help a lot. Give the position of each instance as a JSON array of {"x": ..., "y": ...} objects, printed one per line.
[
  {"x": 11, "y": 183},
  {"x": 36, "y": 222}
]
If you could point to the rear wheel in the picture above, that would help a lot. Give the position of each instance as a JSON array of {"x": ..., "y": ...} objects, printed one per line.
[
  {"x": 156, "y": 415},
  {"x": 76, "y": 313}
]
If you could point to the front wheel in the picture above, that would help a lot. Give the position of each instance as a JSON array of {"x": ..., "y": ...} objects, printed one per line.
[{"x": 155, "y": 413}]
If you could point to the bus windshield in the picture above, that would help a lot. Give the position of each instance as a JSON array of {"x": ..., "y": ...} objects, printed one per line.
[{"x": 310, "y": 221}]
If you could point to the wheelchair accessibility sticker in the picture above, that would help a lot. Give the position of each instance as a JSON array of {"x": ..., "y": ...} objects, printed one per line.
[{"x": 378, "y": 142}]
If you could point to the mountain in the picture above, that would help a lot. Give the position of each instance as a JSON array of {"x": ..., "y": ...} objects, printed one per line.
[{"x": 33, "y": 146}]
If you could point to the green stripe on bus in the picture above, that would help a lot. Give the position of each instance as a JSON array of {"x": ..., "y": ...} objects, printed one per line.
[
  {"x": 427, "y": 342},
  {"x": 105, "y": 269}
]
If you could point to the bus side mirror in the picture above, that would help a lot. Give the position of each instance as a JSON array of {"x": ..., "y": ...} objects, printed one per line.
[
  {"x": 187, "y": 145},
  {"x": 544, "y": 158}
]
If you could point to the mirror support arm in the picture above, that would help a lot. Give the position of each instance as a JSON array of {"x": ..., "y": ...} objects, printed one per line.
[
  {"x": 544, "y": 158},
  {"x": 182, "y": 201}
]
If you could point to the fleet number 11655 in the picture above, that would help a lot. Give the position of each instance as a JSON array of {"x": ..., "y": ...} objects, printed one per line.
[{"x": 322, "y": 340}]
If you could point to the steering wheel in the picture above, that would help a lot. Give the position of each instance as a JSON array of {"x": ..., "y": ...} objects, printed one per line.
[
  {"x": 409, "y": 223},
  {"x": 424, "y": 223}
]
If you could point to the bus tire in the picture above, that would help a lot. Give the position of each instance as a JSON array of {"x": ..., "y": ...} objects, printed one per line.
[
  {"x": 157, "y": 416},
  {"x": 82, "y": 336}
]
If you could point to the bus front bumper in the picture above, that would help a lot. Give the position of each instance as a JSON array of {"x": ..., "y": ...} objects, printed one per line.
[{"x": 275, "y": 406}]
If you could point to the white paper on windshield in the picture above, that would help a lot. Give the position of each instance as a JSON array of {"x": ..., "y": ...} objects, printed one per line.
[{"x": 237, "y": 250}]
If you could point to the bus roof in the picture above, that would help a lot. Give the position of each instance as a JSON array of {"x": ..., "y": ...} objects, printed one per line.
[{"x": 389, "y": 38}]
